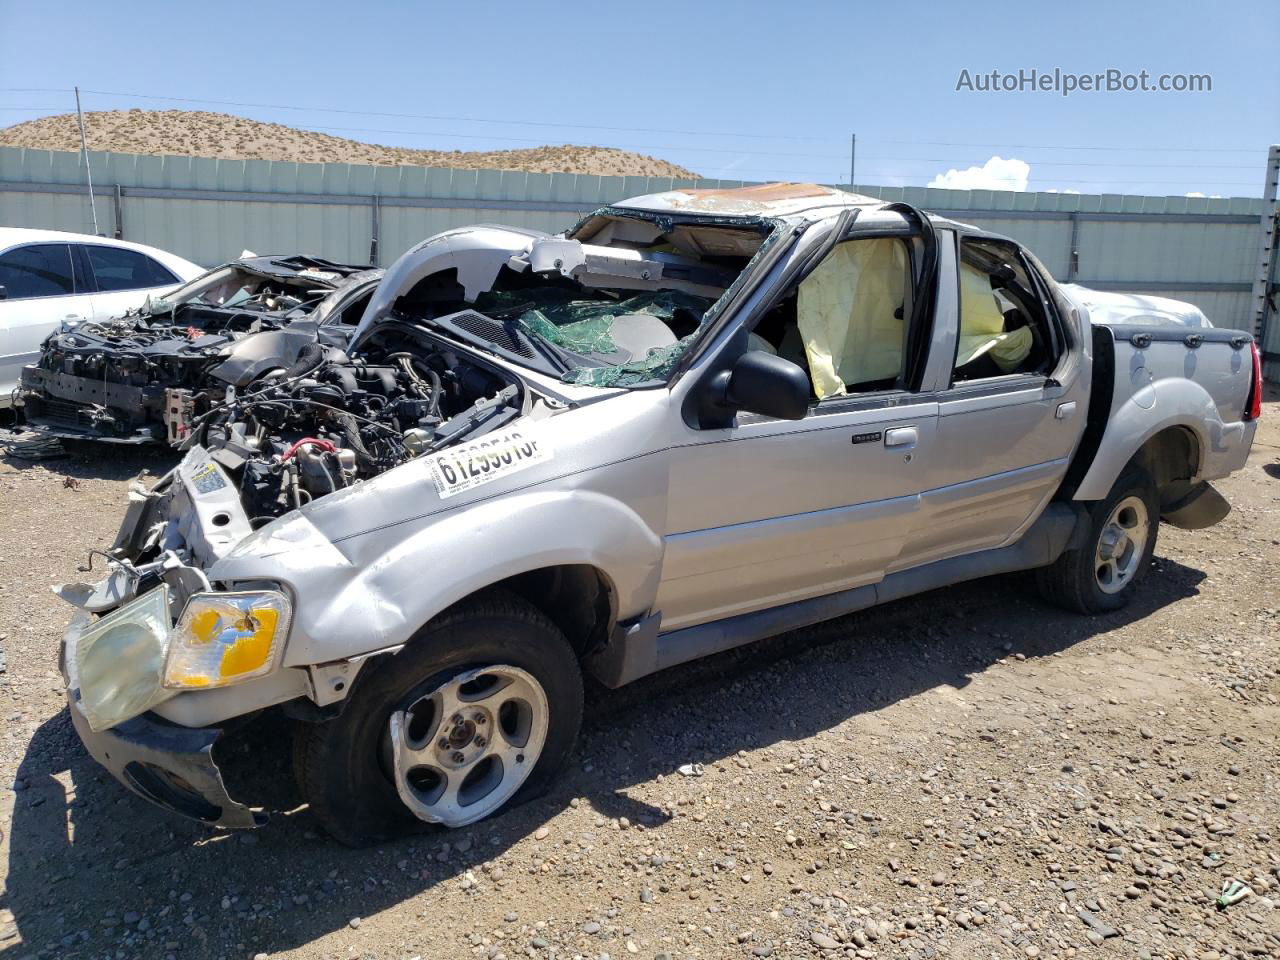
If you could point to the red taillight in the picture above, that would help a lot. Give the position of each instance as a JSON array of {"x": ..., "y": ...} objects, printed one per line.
[{"x": 1253, "y": 409}]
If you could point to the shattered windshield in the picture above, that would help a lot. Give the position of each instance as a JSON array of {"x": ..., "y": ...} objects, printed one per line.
[
  {"x": 703, "y": 261},
  {"x": 618, "y": 340},
  {"x": 236, "y": 288},
  {"x": 613, "y": 302}
]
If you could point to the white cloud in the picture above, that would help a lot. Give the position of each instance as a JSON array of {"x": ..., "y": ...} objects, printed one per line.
[
  {"x": 995, "y": 174},
  {"x": 1064, "y": 190},
  {"x": 1197, "y": 193}
]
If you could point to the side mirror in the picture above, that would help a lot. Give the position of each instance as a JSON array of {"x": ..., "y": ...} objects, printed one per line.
[
  {"x": 4, "y": 293},
  {"x": 768, "y": 385}
]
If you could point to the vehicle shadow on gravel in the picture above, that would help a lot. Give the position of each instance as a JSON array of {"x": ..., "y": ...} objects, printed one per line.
[
  {"x": 94, "y": 869},
  {"x": 96, "y": 461}
]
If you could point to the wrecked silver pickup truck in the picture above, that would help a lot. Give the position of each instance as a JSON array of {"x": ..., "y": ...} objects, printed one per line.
[
  {"x": 695, "y": 420},
  {"x": 145, "y": 376}
]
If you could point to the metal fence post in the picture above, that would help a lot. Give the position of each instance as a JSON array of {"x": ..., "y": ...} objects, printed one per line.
[
  {"x": 1073, "y": 254},
  {"x": 119, "y": 212},
  {"x": 1265, "y": 293},
  {"x": 375, "y": 229}
]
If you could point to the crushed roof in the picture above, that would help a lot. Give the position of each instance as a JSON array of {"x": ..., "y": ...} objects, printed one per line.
[{"x": 766, "y": 199}]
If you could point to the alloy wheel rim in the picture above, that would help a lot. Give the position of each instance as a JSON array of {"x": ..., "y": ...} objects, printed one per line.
[
  {"x": 1122, "y": 543},
  {"x": 461, "y": 751}
]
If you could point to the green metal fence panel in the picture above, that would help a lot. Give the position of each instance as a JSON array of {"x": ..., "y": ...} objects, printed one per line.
[
  {"x": 1192, "y": 248},
  {"x": 1049, "y": 239}
]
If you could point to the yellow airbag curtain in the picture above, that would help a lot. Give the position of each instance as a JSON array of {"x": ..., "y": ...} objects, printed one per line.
[
  {"x": 982, "y": 325},
  {"x": 845, "y": 314}
]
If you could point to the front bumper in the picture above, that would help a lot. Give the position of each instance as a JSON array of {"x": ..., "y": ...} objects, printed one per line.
[
  {"x": 83, "y": 408},
  {"x": 50, "y": 429},
  {"x": 169, "y": 765}
]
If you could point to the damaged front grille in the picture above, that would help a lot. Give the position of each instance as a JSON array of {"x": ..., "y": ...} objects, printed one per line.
[{"x": 63, "y": 413}]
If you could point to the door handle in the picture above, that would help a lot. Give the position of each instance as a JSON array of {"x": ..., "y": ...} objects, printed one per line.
[
  {"x": 901, "y": 437},
  {"x": 1065, "y": 411}
]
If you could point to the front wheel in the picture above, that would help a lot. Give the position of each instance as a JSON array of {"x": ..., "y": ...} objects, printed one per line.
[
  {"x": 1103, "y": 573},
  {"x": 478, "y": 712}
]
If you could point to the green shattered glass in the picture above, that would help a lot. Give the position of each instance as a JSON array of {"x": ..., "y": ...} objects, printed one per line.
[
  {"x": 564, "y": 318},
  {"x": 655, "y": 366},
  {"x": 582, "y": 326},
  {"x": 580, "y": 336}
]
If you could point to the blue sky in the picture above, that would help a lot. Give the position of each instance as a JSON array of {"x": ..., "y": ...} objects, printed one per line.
[{"x": 750, "y": 90}]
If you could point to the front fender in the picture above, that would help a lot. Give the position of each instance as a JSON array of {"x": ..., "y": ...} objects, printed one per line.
[
  {"x": 1160, "y": 405},
  {"x": 401, "y": 576}
]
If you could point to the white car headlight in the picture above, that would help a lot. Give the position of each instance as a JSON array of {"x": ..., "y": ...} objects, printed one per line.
[
  {"x": 117, "y": 661},
  {"x": 224, "y": 638}
]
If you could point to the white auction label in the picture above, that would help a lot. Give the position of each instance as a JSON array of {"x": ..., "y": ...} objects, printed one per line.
[{"x": 490, "y": 458}]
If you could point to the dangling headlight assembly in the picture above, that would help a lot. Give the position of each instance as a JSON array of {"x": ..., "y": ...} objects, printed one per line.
[
  {"x": 117, "y": 661},
  {"x": 225, "y": 638}
]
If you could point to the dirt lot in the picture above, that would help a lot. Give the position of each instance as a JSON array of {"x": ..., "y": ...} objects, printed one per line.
[{"x": 965, "y": 774}]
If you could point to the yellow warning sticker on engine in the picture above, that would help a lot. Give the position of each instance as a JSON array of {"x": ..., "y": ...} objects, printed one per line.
[{"x": 207, "y": 478}]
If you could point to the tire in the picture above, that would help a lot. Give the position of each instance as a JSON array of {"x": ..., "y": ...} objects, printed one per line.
[
  {"x": 1083, "y": 579},
  {"x": 347, "y": 767}
]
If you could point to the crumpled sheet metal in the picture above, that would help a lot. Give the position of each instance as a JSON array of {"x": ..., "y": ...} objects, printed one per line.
[
  {"x": 187, "y": 753},
  {"x": 767, "y": 199}
]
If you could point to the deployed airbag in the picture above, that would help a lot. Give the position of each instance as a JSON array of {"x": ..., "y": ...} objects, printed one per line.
[
  {"x": 849, "y": 315},
  {"x": 636, "y": 334},
  {"x": 982, "y": 325}
]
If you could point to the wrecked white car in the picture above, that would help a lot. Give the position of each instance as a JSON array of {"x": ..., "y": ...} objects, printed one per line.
[
  {"x": 144, "y": 376},
  {"x": 695, "y": 420}
]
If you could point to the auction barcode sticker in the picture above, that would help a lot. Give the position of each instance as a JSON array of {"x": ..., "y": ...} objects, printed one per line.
[{"x": 492, "y": 457}]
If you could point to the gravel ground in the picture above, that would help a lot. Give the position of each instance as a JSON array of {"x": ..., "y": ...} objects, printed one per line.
[{"x": 968, "y": 773}]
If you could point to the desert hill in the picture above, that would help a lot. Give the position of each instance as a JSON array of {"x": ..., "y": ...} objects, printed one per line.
[{"x": 205, "y": 134}]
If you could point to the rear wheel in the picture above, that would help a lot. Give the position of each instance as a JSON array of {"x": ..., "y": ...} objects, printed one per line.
[
  {"x": 478, "y": 712},
  {"x": 1104, "y": 572}
]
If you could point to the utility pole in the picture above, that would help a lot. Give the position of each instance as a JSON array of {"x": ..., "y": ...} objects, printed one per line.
[
  {"x": 84, "y": 147},
  {"x": 853, "y": 154}
]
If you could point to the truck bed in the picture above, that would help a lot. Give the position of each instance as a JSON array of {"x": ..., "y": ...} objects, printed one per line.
[{"x": 1150, "y": 379}]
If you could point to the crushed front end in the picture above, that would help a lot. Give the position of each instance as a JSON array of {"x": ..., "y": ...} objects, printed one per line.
[
  {"x": 145, "y": 376},
  {"x": 169, "y": 765},
  {"x": 123, "y": 381},
  {"x": 163, "y": 653},
  {"x": 155, "y": 628},
  {"x": 299, "y": 490}
]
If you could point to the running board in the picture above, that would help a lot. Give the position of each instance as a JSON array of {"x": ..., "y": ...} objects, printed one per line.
[{"x": 637, "y": 649}]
